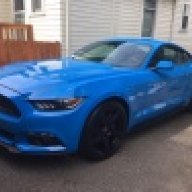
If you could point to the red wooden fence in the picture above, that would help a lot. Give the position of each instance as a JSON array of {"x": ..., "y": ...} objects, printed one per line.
[
  {"x": 17, "y": 44},
  {"x": 12, "y": 51}
]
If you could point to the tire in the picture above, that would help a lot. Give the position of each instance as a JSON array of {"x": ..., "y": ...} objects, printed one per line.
[
  {"x": 189, "y": 107},
  {"x": 104, "y": 131}
]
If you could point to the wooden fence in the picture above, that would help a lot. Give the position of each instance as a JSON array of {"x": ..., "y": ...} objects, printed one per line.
[
  {"x": 13, "y": 51},
  {"x": 17, "y": 44}
]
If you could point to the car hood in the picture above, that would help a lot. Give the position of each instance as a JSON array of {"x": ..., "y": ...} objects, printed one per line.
[{"x": 51, "y": 76}]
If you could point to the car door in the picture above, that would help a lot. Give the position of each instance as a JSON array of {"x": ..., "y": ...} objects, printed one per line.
[
  {"x": 161, "y": 90},
  {"x": 151, "y": 90},
  {"x": 184, "y": 66},
  {"x": 175, "y": 80}
]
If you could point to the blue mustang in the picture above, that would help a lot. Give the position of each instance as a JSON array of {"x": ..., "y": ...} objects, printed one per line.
[{"x": 88, "y": 102}]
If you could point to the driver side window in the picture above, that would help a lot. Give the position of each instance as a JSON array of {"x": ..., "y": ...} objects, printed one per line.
[
  {"x": 171, "y": 53},
  {"x": 167, "y": 53}
]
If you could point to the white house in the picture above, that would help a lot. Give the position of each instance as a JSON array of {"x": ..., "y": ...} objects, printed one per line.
[{"x": 77, "y": 22}]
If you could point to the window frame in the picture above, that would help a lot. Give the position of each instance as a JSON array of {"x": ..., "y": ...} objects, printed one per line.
[
  {"x": 185, "y": 17},
  {"x": 40, "y": 11}
]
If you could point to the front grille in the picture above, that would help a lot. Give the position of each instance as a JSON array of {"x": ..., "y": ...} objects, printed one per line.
[
  {"x": 8, "y": 107},
  {"x": 7, "y": 135},
  {"x": 43, "y": 140}
]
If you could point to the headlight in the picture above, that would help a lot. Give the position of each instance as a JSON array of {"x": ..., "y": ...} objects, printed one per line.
[{"x": 56, "y": 105}]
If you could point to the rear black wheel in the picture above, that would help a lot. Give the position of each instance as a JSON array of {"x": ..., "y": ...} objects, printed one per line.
[{"x": 104, "y": 131}]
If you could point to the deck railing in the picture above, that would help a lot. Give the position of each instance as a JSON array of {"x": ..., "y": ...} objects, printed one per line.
[{"x": 16, "y": 32}]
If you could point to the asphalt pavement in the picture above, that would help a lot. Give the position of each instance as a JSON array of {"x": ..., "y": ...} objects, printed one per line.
[{"x": 157, "y": 158}]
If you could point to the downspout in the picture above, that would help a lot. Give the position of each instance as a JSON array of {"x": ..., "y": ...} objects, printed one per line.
[
  {"x": 67, "y": 27},
  {"x": 113, "y": 18},
  {"x": 12, "y": 12}
]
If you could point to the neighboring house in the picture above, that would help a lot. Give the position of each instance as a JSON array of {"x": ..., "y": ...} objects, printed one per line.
[{"x": 77, "y": 22}]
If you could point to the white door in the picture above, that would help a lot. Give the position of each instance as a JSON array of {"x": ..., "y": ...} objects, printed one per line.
[
  {"x": 19, "y": 11},
  {"x": 149, "y": 18}
]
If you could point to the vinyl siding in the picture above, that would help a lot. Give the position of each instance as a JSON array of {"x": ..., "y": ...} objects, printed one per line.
[
  {"x": 47, "y": 25},
  {"x": 169, "y": 21},
  {"x": 128, "y": 17},
  {"x": 5, "y": 11},
  {"x": 63, "y": 26},
  {"x": 182, "y": 37},
  {"x": 164, "y": 19},
  {"x": 89, "y": 20}
]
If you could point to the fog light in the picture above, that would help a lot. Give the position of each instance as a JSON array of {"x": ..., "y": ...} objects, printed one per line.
[{"x": 43, "y": 139}]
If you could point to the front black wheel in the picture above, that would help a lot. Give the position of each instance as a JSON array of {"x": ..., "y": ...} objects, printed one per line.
[
  {"x": 104, "y": 130},
  {"x": 189, "y": 107}
]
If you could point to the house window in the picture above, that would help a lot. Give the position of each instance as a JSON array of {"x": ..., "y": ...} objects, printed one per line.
[
  {"x": 19, "y": 11},
  {"x": 185, "y": 16},
  {"x": 36, "y": 6},
  {"x": 149, "y": 18}
]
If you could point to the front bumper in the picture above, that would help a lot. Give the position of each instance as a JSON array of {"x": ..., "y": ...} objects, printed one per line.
[
  {"x": 29, "y": 149},
  {"x": 66, "y": 126},
  {"x": 62, "y": 126}
]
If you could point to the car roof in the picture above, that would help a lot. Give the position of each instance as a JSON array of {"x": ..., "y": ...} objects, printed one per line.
[{"x": 142, "y": 40}]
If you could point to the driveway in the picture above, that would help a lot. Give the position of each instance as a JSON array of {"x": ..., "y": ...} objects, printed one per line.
[{"x": 155, "y": 159}]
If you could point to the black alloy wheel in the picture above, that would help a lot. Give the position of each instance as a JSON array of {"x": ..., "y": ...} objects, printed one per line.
[{"x": 104, "y": 131}]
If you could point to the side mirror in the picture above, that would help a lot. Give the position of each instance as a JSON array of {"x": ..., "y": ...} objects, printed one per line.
[{"x": 164, "y": 65}]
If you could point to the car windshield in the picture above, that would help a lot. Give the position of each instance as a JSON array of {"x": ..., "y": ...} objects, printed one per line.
[{"x": 120, "y": 54}]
